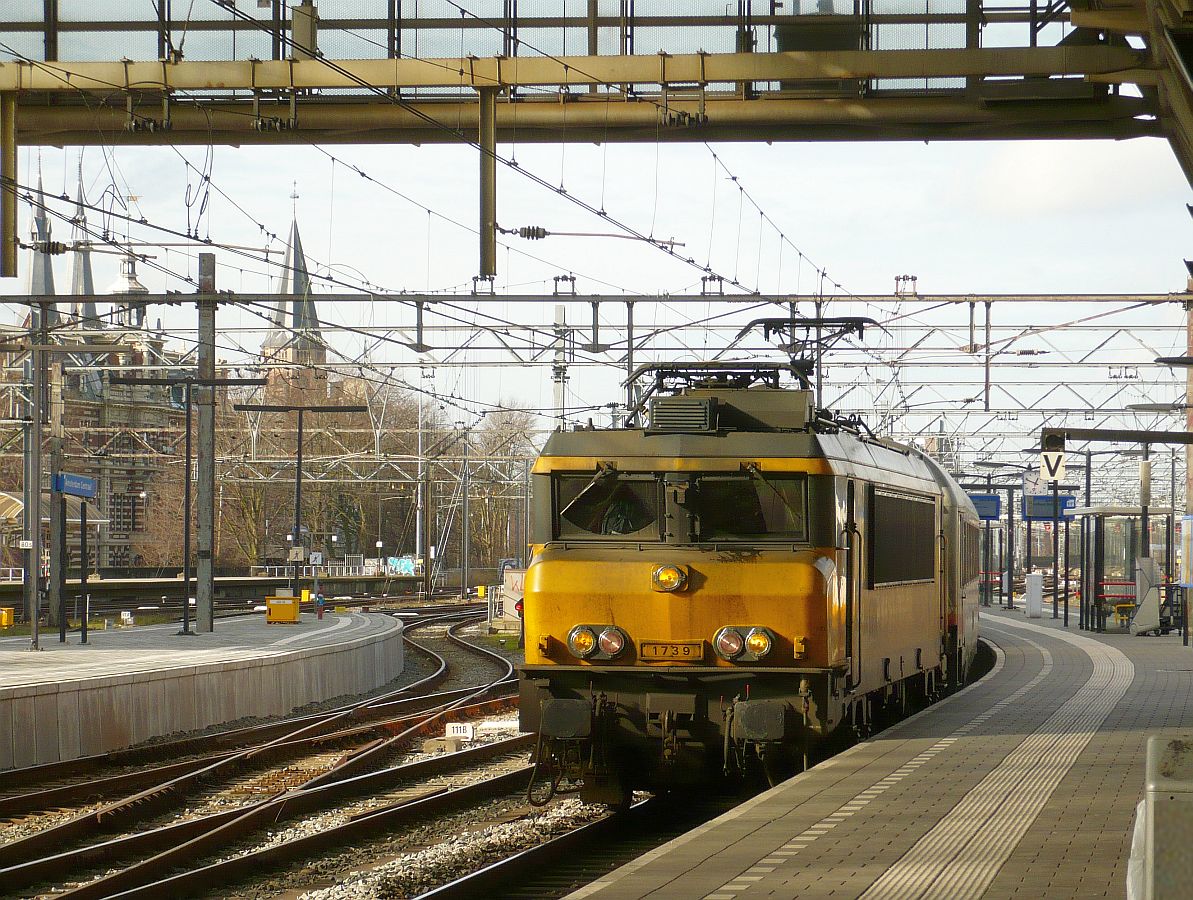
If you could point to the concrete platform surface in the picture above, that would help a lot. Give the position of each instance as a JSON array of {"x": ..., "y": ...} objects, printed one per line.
[
  {"x": 128, "y": 685},
  {"x": 1022, "y": 785}
]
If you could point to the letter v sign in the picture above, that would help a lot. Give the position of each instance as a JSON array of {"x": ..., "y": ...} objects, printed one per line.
[{"x": 1052, "y": 465}]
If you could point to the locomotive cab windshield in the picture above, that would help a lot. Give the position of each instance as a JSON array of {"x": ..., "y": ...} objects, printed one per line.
[{"x": 715, "y": 506}]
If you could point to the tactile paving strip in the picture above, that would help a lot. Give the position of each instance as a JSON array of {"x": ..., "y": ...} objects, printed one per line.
[{"x": 961, "y": 855}]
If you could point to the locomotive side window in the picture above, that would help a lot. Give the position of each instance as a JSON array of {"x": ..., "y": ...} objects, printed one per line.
[
  {"x": 606, "y": 507},
  {"x": 972, "y": 560},
  {"x": 740, "y": 507},
  {"x": 902, "y": 538}
]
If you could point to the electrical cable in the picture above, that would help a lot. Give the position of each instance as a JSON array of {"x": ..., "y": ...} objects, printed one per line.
[
  {"x": 463, "y": 138},
  {"x": 271, "y": 235},
  {"x": 383, "y": 379}
]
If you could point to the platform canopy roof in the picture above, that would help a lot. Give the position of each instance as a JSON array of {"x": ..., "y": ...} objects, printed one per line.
[{"x": 12, "y": 510}]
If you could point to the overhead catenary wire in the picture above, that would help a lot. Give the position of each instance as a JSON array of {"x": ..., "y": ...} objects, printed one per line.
[
  {"x": 119, "y": 198},
  {"x": 464, "y": 138},
  {"x": 660, "y": 106},
  {"x": 649, "y": 239},
  {"x": 382, "y": 378},
  {"x": 374, "y": 290}
]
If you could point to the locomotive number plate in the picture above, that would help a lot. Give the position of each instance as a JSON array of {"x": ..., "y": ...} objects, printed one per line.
[{"x": 690, "y": 650}]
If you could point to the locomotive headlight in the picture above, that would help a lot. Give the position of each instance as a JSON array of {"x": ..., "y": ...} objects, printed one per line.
[
  {"x": 729, "y": 643},
  {"x": 611, "y": 642},
  {"x": 743, "y": 643},
  {"x": 582, "y": 642},
  {"x": 669, "y": 578},
  {"x": 758, "y": 643}
]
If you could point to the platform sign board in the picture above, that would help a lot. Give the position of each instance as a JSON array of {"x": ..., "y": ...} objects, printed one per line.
[
  {"x": 75, "y": 485},
  {"x": 989, "y": 506},
  {"x": 1041, "y": 507},
  {"x": 1052, "y": 465}
]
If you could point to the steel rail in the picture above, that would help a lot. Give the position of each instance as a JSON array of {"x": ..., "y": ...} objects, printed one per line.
[
  {"x": 234, "y": 738},
  {"x": 217, "y": 875},
  {"x": 332, "y": 784},
  {"x": 488, "y": 880},
  {"x": 15, "y": 854},
  {"x": 162, "y": 793},
  {"x": 369, "y": 755},
  {"x": 47, "y": 798},
  {"x": 168, "y": 841}
]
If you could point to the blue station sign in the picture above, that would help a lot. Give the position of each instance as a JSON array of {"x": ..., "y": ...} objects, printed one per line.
[
  {"x": 1040, "y": 507},
  {"x": 989, "y": 506},
  {"x": 75, "y": 485}
]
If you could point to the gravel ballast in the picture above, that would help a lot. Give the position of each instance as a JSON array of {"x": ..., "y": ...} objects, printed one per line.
[{"x": 417, "y": 872}]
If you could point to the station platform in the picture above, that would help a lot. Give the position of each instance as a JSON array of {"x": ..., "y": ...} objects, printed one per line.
[
  {"x": 128, "y": 685},
  {"x": 1022, "y": 785}
]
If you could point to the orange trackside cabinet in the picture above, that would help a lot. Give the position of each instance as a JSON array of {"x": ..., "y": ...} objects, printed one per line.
[{"x": 281, "y": 610}]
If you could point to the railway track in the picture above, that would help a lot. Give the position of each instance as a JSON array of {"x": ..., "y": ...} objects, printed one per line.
[
  {"x": 66, "y": 775},
  {"x": 579, "y": 856},
  {"x": 228, "y": 609},
  {"x": 340, "y": 753},
  {"x": 361, "y": 807}
]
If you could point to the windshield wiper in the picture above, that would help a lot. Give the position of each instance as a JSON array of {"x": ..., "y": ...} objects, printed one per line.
[
  {"x": 605, "y": 472},
  {"x": 796, "y": 517}
]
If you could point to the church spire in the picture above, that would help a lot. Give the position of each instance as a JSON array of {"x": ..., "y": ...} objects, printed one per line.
[
  {"x": 41, "y": 268},
  {"x": 295, "y": 320},
  {"x": 82, "y": 282}
]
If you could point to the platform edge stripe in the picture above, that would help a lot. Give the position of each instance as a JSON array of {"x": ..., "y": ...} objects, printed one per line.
[
  {"x": 826, "y": 824},
  {"x": 996, "y": 814},
  {"x": 650, "y": 856}
]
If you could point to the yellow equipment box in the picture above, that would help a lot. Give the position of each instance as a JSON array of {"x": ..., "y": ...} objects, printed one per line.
[
  {"x": 6, "y": 616},
  {"x": 281, "y": 610}
]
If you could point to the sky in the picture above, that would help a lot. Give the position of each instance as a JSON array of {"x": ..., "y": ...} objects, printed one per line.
[{"x": 998, "y": 217}]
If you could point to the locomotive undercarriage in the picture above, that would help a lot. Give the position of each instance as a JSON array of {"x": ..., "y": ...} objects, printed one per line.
[
  {"x": 613, "y": 734},
  {"x": 598, "y": 727}
]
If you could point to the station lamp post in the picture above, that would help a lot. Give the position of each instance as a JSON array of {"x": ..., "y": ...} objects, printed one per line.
[
  {"x": 188, "y": 382},
  {"x": 295, "y": 537}
]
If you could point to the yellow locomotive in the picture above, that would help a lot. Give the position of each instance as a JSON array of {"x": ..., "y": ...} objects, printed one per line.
[{"x": 725, "y": 585}]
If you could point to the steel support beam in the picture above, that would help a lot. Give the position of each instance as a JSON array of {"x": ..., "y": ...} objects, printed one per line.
[
  {"x": 1118, "y": 435},
  {"x": 465, "y": 522},
  {"x": 488, "y": 183},
  {"x": 205, "y": 494},
  {"x": 689, "y": 69},
  {"x": 450, "y": 300},
  {"x": 1188, "y": 418},
  {"x": 456, "y": 24},
  {"x": 599, "y": 119},
  {"x": 8, "y": 183},
  {"x": 57, "y": 573},
  {"x": 33, "y": 479}
]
